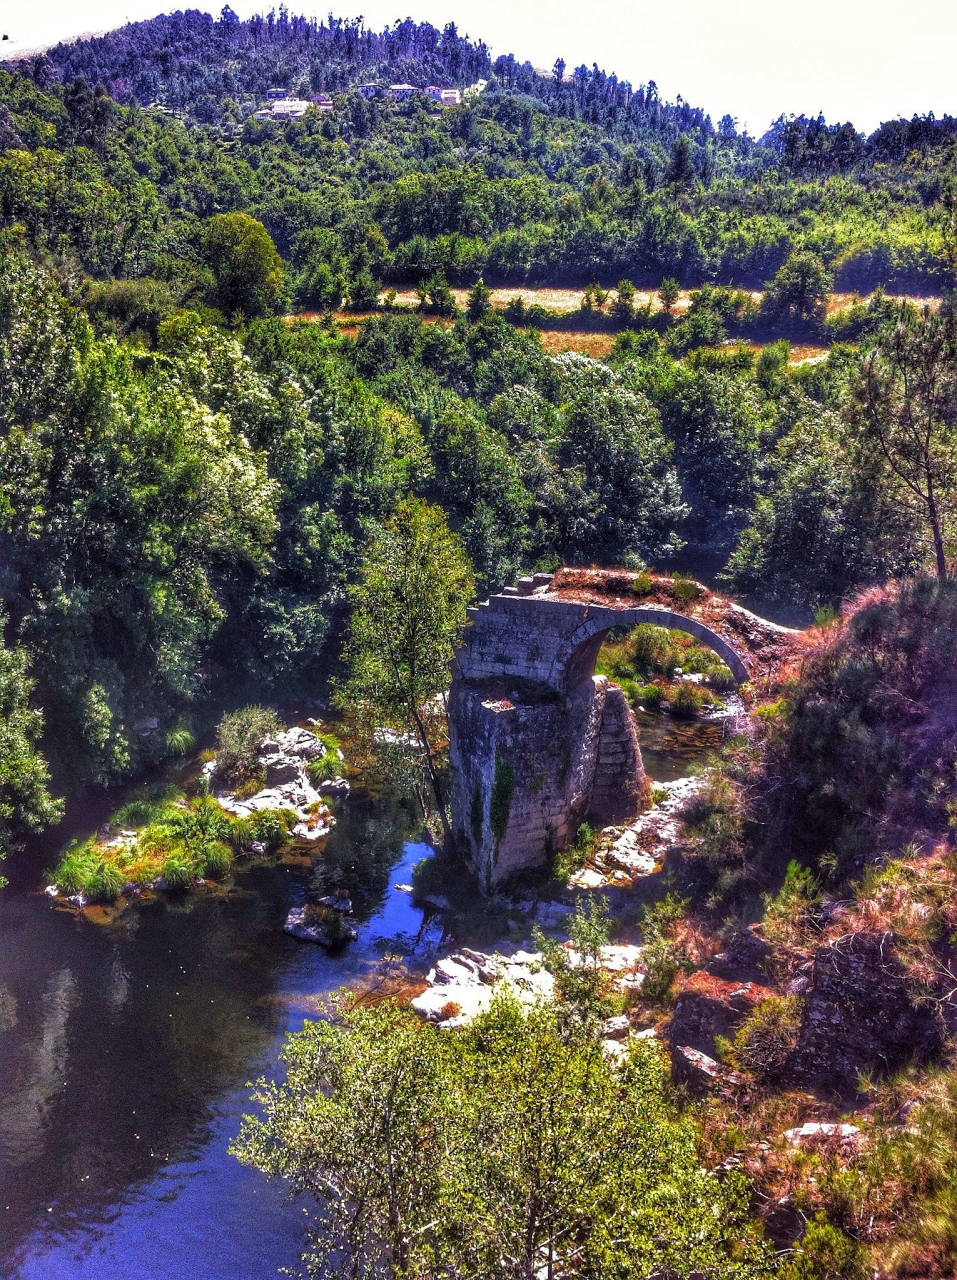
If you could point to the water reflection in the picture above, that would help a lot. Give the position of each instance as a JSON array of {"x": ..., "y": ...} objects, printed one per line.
[
  {"x": 670, "y": 747},
  {"x": 126, "y": 1048},
  {"x": 124, "y": 1063}
]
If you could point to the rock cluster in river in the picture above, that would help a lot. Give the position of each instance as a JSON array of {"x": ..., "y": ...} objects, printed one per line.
[
  {"x": 461, "y": 985},
  {"x": 284, "y": 760},
  {"x": 627, "y": 853}
]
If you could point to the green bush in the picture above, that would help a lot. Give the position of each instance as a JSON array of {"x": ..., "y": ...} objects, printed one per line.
[
  {"x": 521, "y": 1123},
  {"x": 239, "y": 738},
  {"x": 824, "y": 1253},
  {"x": 271, "y": 827},
  {"x": 179, "y": 741},
  {"x": 684, "y": 588}
]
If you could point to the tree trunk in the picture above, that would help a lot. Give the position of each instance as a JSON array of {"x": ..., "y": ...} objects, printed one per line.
[
  {"x": 935, "y": 530},
  {"x": 433, "y": 778}
]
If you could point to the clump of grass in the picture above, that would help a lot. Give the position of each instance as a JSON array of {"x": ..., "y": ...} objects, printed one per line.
[
  {"x": 175, "y": 841},
  {"x": 688, "y": 699},
  {"x": 179, "y": 740},
  {"x": 328, "y": 765}
]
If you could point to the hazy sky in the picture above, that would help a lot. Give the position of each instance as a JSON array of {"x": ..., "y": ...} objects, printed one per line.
[{"x": 751, "y": 58}]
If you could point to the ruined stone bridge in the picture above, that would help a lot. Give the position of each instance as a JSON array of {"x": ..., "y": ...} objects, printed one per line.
[{"x": 538, "y": 742}]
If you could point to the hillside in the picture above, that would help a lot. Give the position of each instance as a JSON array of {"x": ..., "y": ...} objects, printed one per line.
[
  {"x": 313, "y": 337},
  {"x": 563, "y": 180}
]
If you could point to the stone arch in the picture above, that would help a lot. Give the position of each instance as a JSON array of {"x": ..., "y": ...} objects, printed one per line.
[
  {"x": 525, "y": 704},
  {"x": 576, "y": 661}
]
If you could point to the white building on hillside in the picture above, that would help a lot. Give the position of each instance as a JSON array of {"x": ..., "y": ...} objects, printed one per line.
[
  {"x": 290, "y": 108},
  {"x": 446, "y": 97}
]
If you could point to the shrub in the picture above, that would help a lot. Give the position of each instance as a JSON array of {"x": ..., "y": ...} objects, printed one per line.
[
  {"x": 664, "y": 958},
  {"x": 824, "y": 1253},
  {"x": 684, "y": 588},
  {"x": 688, "y": 699},
  {"x": 768, "y": 1037},
  {"x": 240, "y": 834},
  {"x": 568, "y": 861},
  {"x": 788, "y": 913},
  {"x": 239, "y": 738}
]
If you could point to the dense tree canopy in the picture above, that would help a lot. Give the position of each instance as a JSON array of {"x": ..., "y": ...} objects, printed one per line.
[
  {"x": 187, "y": 480},
  {"x": 510, "y": 1147}
]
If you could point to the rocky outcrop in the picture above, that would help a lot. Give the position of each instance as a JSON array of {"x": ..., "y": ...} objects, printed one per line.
[
  {"x": 328, "y": 927},
  {"x": 859, "y": 1016},
  {"x": 708, "y": 1007},
  {"x": 845, "y": 1138},
  {"x": 700, "y": 1073},
  {"x": 627, "y": 853},
  {"x": 746, "y": 958},
  {"x": 284, "y": 761},
  {"x": 461, "y": 985}
]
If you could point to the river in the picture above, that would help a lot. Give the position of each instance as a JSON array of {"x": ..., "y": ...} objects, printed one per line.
[{"x": 126, "y": 1047}]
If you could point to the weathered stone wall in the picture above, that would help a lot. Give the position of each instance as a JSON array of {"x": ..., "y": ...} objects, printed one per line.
[
  {"x": 528, "y": 767},
  {"x": 538, "y": 744}
]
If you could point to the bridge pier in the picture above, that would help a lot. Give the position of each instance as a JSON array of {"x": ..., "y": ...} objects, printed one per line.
[{"x": 530, "y": 765}]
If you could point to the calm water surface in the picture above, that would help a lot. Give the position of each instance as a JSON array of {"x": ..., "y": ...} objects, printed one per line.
[
  {"x": 125, "y": 1051},
  {"x": 126, "y": 1048}
]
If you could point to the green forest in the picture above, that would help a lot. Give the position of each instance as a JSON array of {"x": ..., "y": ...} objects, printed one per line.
[
  {"x": 246, "y": 360},
  {"x": 187, "y": 474}
]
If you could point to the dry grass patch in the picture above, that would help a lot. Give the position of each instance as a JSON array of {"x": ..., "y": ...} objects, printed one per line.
[{"x": 596, "y": 345}]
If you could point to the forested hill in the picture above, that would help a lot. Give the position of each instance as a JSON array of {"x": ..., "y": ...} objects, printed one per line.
[
  {"x": 210, "y": 69},
  {"x": 187, "y": 478},
  {"x": 135, "y": 137}
]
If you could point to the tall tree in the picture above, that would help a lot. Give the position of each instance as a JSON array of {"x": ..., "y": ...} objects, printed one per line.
[
  {"x": 908, "y": 397},
  {"x": 408, "y": 617},
  {"x": 25, "y": 802},
  {"x": 249, "y": 273}
]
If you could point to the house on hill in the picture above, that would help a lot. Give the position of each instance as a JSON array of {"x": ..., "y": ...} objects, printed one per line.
[
  {"x": 367, "y": 90},
  {"x": 322, "y": 102},
  {"x": 290, "y": 108},
  {"x": 445, "y": 97},
  {"x": 402, "y": 92}
]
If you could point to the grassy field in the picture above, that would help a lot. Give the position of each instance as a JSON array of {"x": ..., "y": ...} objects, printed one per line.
[{"x": 589, "y": 343}]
